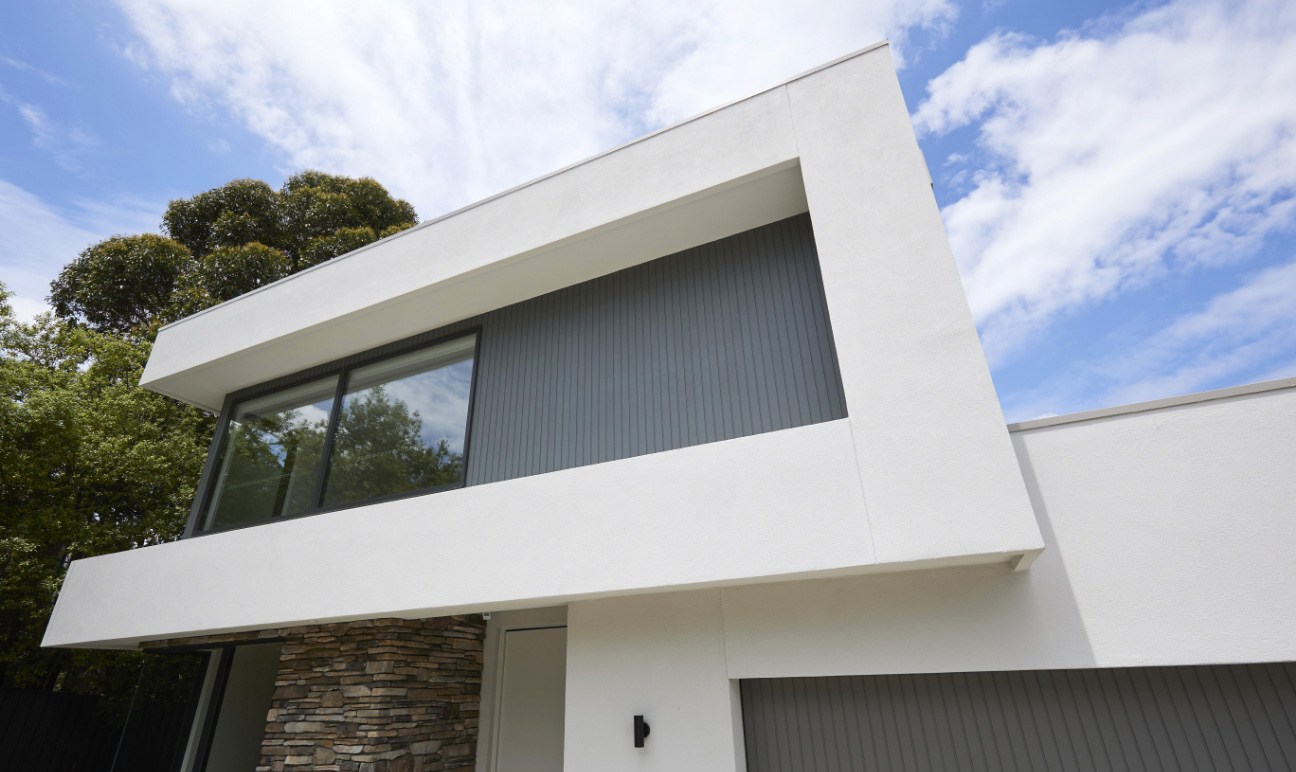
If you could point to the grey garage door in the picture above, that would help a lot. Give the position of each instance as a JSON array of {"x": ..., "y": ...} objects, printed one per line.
[{"x": 1236, "y": 717}]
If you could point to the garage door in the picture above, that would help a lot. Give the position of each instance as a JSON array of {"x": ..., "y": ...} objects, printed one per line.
[{"x": 1238, "y": 717}]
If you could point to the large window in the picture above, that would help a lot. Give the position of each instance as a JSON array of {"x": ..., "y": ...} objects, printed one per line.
[{"x": 394, "y": 426}]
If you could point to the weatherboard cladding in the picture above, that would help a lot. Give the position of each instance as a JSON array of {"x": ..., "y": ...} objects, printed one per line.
[
  {"x": 724, "y": 340},
  {"x": 1225, "y": 717}
]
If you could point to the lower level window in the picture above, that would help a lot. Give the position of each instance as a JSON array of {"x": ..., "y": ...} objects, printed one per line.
[{"x": 393, "y": 426}]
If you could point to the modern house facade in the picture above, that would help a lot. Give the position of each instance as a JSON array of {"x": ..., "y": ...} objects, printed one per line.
[{"x": 688, "y": 457}]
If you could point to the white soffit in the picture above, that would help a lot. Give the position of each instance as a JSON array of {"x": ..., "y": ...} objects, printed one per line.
[{"x": 726, "y": 172}]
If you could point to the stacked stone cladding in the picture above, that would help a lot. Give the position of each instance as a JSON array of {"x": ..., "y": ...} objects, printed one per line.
[{"x": 385, "y": 695}]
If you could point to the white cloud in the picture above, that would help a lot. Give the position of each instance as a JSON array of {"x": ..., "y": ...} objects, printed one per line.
[
  {"x": 449, "y": 102},
  {"x": 1246, "y": 334},
  {"x": 22, "y": 66},
  {"x": 1160, "y": 142},
  {"x": 39, "y": 239},
  {"x": 65, "y": 143},
  {"x": 1237, "y": 331}
]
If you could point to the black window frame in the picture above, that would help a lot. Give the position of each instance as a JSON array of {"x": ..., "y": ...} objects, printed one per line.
[
  {"x": 219, "y": 655},
  {"x": 341, "y": 369}
]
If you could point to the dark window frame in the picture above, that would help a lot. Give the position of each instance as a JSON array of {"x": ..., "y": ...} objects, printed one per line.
[
  {"x": 192, "y": 707},
  {"x": 340, "y": 368},
  {"x": 221, "y": 656}
]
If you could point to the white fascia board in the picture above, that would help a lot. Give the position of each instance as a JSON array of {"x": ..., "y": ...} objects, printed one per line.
[
  {"x": 725, "y": 172},
  {"x": 935, "y": 458},
  {"x": 1155, "y": 404},
  {"x": 706, "y": 514}
]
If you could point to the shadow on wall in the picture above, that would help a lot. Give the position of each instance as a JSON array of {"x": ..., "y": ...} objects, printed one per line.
[{"x": 934, "y": 620}]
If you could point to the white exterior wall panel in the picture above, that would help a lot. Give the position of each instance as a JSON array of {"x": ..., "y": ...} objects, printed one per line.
[
  {"x": 921, "y": 473},
  {"x": 605, "y": 529},
  {"x": 935, "y": 462},
  {"x": 1169, "y": 532},
  {"x": 1170, "y": 539}
]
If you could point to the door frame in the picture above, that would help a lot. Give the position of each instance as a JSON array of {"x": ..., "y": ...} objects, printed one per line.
[{"x": 497, "y": 627}]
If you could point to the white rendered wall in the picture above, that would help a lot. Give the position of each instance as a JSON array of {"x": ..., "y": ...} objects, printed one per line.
[
  {"x": 659, "y": 656},
  {"x": 934, "y": 457},
  {"x": 703, "y": 514},
  {"x": 922, "y": 471},
  {"x": 694, "y": 183},
  {"x": 1171, "y": 536},
  {"x": 1170, "y": 539}
]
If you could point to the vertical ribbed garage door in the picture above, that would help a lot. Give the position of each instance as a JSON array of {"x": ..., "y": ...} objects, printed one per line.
[{"x": 1237, "y": 717}]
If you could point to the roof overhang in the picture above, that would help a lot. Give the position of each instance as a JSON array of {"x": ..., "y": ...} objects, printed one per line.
[{"x": 724, "y": 172}]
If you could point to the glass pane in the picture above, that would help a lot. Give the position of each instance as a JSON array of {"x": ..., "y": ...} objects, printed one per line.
[
  {"x": 248, "y": 696},
  {"x": 161, "y": 714},
  {"x": 270, "y": 458},
  {"x": 402, "y": 425}
]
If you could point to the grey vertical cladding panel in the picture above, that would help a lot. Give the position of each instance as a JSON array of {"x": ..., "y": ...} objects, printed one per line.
[
  {"x": 724, "y": 340},
  {"x": 1238, "y": 718}
]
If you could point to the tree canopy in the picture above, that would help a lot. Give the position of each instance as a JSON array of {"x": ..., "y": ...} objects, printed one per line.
[
  {"x": 120, "y": 283},
  {"x": 221, "y": 244},
  {"x": 310, "y": 210},
  {"x": 89, "y": 462}
]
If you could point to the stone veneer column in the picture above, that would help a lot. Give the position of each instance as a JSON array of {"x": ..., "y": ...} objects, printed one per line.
[
  {"x": 386, "y": 695},
  {"x": 380, "y": 695}
]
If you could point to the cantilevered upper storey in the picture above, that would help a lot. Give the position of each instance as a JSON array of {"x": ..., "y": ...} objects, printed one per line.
[{"x": 735, "y": 350}]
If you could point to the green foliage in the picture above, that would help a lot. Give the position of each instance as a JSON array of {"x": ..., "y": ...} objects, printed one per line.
[
  {"x": 341, "y": 241},
  {"x": 121, "y": 283},
  {"x": 89, "y": 464},
  {"x": 310, "y": 206},
  {"x": 325, "y": 248},
  {"x": 238, "y": 212},
  {"x": 229, "y": 272},
  {"x": 222, "y": 243},
  {"x": 392, "y": 230},
  {"x": 318, "y": 205}
]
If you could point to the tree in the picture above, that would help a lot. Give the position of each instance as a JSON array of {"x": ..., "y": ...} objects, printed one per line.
[
  {"x": 313, "y": 213},
  {"x": 236, "y": 213},
  {"x": 221, "y": 244},
  {"x": 89, "y": 464},
  {"x": 121, "y": 283},
  {"x": 232, "y": 271},
  {"x": 318, "y": 206}
]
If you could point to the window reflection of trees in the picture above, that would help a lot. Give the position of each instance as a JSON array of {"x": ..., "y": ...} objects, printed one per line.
[
  {"x": 378, "y": 451},
  {"x": 272, "y": 453},
  {"x": 275, "y": 463}
]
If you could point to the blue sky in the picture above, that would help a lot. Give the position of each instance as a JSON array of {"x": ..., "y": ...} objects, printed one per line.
[{"x": 1117, "y": 179}]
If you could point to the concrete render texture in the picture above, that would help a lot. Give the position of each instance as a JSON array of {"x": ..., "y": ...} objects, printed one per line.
[
  {"x": 921, "y": 473},
  {"x": 1169, "y": 538}
]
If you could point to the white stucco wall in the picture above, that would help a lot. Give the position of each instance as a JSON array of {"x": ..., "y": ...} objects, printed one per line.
[
  {"x": 921, "y": 471},
  {"x": 1170, "y": 538},
  {"x": 937, "y": 469},
  {"x": 1170, "y": 541},
  {"x": 703, "y": 514},
  {"x": 661, "y": 657}
]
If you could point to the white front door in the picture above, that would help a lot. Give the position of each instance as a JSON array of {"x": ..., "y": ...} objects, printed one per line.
[{"x": 532, "y": 698}]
